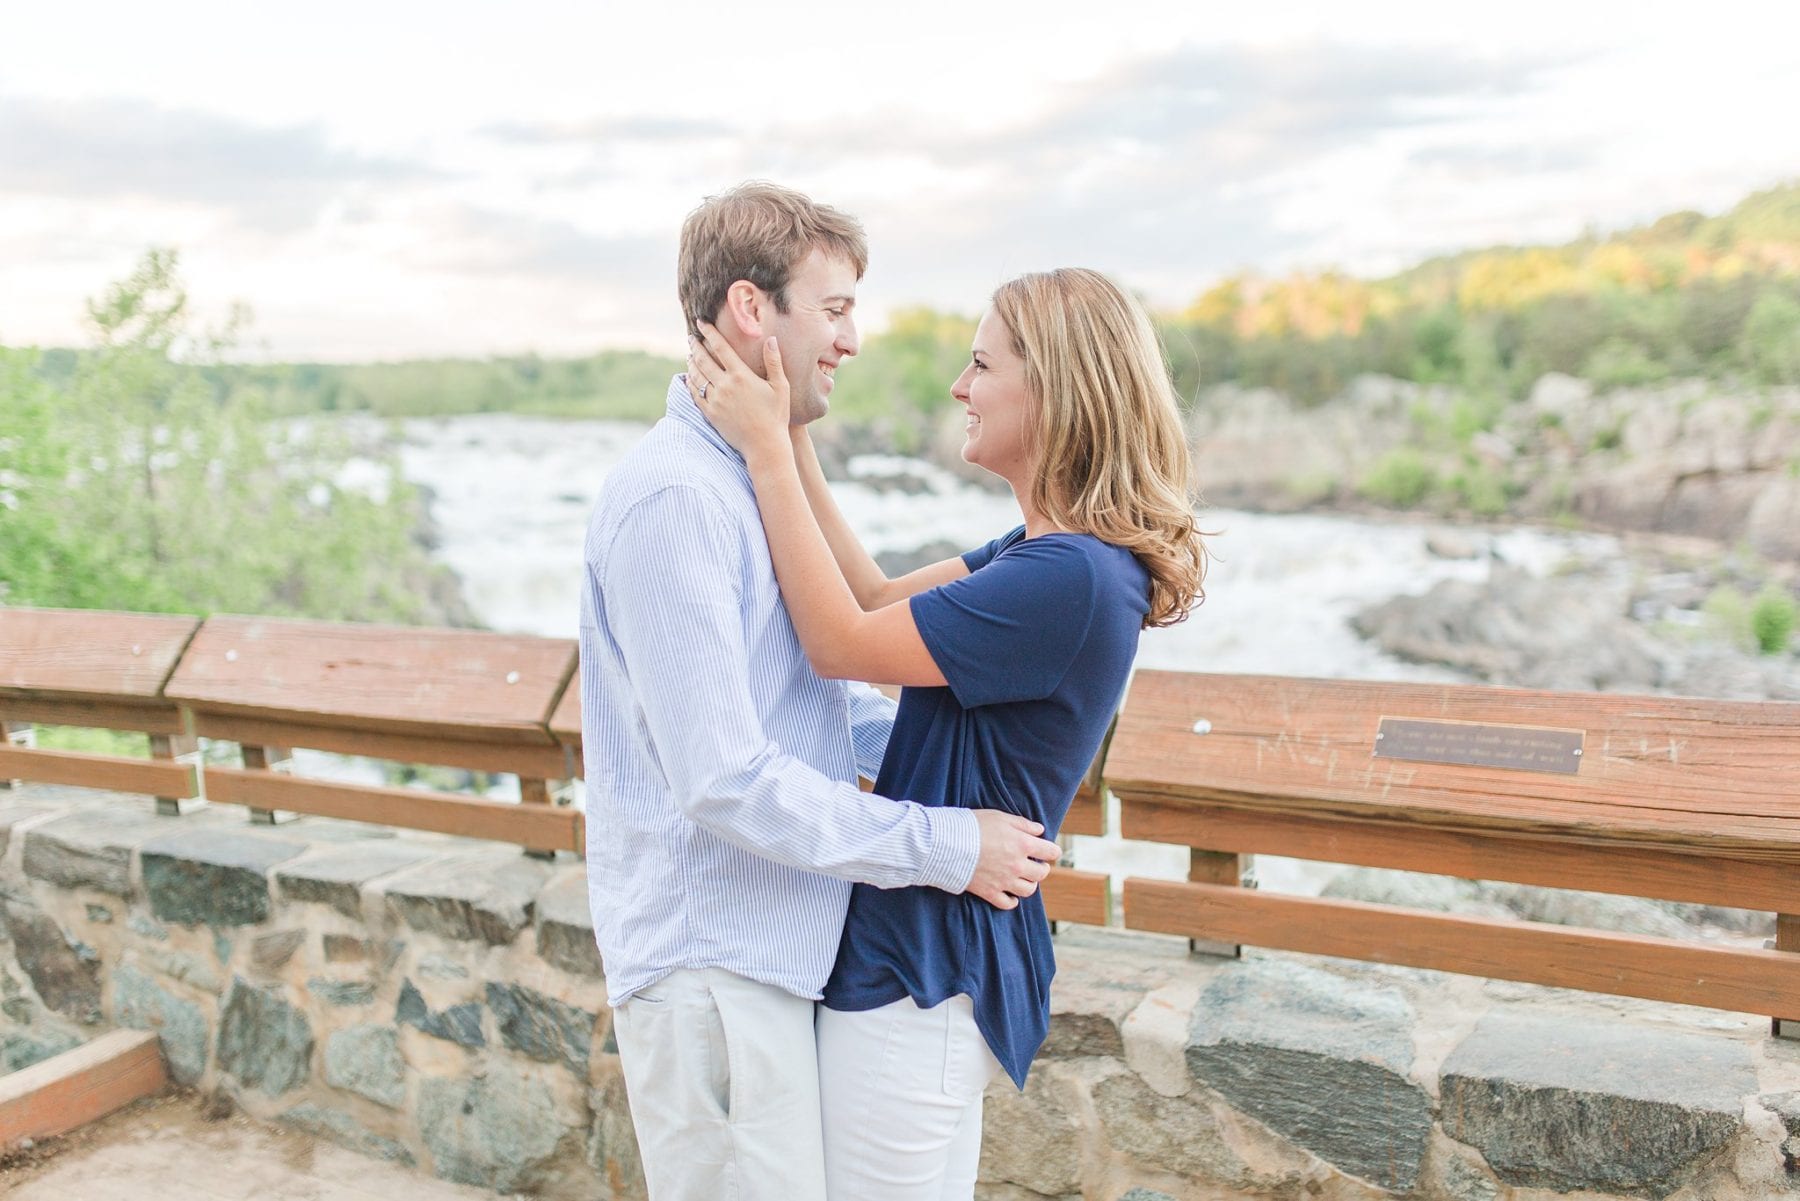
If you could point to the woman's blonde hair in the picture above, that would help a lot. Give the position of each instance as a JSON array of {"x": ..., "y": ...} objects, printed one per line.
[{"x": 1112, "y": 454}]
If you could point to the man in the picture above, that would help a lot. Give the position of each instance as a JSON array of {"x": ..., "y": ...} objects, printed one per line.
[{"x": 724, "y": 823}]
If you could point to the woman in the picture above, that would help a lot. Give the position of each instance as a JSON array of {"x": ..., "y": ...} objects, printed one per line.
[{"x": 1014, "y": 658}]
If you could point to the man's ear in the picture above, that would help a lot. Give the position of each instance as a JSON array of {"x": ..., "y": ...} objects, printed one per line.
[{"x": 745, "y": 307}]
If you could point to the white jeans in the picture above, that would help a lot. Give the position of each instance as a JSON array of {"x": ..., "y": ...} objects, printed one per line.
[
  {"x": 723, "y": 1081},
  {"x": 900, "y": 1088}
]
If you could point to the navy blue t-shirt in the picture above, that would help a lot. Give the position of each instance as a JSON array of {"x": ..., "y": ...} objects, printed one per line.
[{"x": 1036, "y": 643}]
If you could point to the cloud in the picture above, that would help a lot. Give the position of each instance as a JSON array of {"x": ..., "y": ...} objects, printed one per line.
[
  {"x": 476, "y": 241},
  {"x": 271, "y": 178},
  {"x": 1167, "y": 170},
  {"x": 608, "y": 130}
]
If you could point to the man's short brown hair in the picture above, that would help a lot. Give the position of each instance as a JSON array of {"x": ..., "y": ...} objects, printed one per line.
[{"x": 758, "y": 231}]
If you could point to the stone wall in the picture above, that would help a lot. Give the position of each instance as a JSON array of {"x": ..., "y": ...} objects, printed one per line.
[{"x": 440, "y": 1003}]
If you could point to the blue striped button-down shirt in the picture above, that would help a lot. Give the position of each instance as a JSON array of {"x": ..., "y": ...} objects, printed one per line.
[{"x": 723, "y": 820}]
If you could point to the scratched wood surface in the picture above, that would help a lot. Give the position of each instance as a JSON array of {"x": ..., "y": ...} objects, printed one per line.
[
  {"x": 385, "y": 679},
  {"x": 1710, "y": 777},
  {"x": 67, "y": 654}
]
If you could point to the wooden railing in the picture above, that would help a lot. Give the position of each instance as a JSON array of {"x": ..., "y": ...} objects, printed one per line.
[{"x": 1669, "y": 798}]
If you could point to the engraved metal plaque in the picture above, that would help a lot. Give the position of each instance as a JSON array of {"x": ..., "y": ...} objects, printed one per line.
[{"x": 1474, "y": 744}]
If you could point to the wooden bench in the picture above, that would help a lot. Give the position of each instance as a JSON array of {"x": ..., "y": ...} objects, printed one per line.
[
  {"x": 457, "y": 698},
  {"x": 96, "y": 670},
  {"x": 1670, "y": 798}
]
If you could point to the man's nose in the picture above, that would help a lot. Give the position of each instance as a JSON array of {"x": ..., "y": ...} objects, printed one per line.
[{"x": 848, "y": 340}]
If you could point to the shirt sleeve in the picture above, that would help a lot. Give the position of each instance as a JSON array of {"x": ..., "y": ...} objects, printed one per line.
[
  {"x": 1010, "y": 631},
  {"x": 678, "y": 624},
  {"x": 981, "y": 556},
  {"x": 871, "y": 722}
]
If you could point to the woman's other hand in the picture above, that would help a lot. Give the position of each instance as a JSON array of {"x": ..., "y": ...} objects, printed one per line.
[{"x": 749, "y": 411}]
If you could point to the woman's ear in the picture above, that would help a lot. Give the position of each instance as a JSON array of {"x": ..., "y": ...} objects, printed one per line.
[{"x": 745, "y": 307}]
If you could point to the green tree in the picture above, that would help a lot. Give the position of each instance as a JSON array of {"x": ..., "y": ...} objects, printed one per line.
[
  {"x": 37, "y": 560},
  {"x": 179, "y": 495},
  {"x": 1772, "y": 338}
]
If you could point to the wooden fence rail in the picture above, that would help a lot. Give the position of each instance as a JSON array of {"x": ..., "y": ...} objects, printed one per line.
[{"x": 1669, "y": 798}]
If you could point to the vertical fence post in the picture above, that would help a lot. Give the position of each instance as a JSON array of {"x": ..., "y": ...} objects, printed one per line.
[
  {"x": 535, "y": 792},
  {"x": 173, "y": 747},
  {"x": 21, "y": 734},
  {"x": 1787, "y": 938},
  {"x": 268, "y": 758},
  {"x": 1218, "y": 867}
]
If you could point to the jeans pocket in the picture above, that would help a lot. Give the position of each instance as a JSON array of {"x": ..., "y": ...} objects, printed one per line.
[{"x": 967, "y": 1065}]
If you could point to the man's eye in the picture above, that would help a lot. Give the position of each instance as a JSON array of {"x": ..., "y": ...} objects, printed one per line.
[{"x": 836, "y": 314}]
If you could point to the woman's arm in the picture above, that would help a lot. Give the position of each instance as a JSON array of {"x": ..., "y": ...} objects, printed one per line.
[
  {"x": 841, "y": 639},
  {"x": 868, "y": 582}
]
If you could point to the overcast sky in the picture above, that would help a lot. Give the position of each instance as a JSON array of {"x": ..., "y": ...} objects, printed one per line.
[{"x": 385, "y": 179}]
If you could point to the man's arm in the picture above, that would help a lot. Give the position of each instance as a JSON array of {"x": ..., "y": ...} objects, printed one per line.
[
  {"x": 677, "y": 621},
  {"x": 871, "y": 722}
]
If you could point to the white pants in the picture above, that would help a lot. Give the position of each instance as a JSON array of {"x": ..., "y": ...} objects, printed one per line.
[
  {"x": 723, "y": 1082},
  {"x": 900, "y": 1088}
]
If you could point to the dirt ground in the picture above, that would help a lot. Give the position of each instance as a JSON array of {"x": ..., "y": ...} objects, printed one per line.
[{"x": 174, "y": 1147}]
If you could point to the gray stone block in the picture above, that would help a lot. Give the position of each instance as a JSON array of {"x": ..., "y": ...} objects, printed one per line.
[
  {"x": 19, "y": 1050},
  {"x": 460, "y": 1024},
  {"x": 1567, "y": 1102},
  {"x": 496, "y": 1130},
  {"x": 65, "y": 973},
  {"x": 611, "y": 1148},
  {"x": 143, "y": 927},
  {"x": 188, "y": 969},
  {"x": 1087, "y": 1017},
  {"x": 1145, "y": 1194},
  {"x": 439, "y": 967},
  {"x": 1786, "y": 1106},
  {"x": 487, "y": 897},
  {"x": 264, "y": 1042},
  {"x": 1320, "y": 1059},
  {"x": 1031, "y": 1139},
  {"x": 337, "y": 877},
  {"x": 366, "y": 1060},
  {"x": 13, "y": 1001},
  {"x": 100, "y": 915},
  {"x": 270, "y": 951},
  {"x": 141, "y": 1004},
  {"x": 542, "y": 1027},
  {"x": 212, "y": 877},
  {"x": 344, "y": 994},
  {"x": 347, "y": 1132},
  {"x": 90, "y": 849},
  {"x": 1176, "y": 1134},
  {"x": 565, "y": 926},
  {"x": 342, "y": 948}
]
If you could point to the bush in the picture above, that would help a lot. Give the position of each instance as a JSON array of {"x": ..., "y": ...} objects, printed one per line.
[
  {"x": 1402, "y": 479},
  {"x": 1772, "y": 619},
  {"x": 1772, "y": 338}
]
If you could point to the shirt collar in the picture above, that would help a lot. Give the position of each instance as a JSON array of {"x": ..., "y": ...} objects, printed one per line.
[{"x": 683, "y": 409}]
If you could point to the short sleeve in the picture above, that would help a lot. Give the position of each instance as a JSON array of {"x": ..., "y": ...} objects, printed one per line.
[
  {"x": 981, "y": 556},
  {"x": 1010, "y": 630}
]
